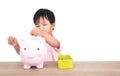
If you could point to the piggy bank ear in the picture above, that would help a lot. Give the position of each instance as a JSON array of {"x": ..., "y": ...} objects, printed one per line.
[
  {"x": 39, "y": 38},
  {"x": 42, "y": 39},
  {"x": 21, "y": 42}
]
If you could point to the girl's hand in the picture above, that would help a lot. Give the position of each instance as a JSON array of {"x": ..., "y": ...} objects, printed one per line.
[
  {"x": 36, "y": 32},
  {"x": 12, "y": 41}
]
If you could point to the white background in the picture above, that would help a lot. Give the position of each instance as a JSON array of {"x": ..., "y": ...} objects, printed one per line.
[{"x": 90, "y": 29}]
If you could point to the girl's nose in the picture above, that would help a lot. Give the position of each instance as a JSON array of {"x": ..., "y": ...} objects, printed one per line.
[{"x": 41, "y": 28}]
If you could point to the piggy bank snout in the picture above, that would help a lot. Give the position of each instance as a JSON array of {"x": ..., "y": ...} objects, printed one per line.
[{"x": 32, "y": 54}]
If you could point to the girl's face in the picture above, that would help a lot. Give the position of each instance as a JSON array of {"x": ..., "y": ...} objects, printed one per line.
[{"x": 44, "y": 25}]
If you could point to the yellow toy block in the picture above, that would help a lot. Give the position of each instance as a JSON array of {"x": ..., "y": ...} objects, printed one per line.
[{"x": 65, "y": 62}]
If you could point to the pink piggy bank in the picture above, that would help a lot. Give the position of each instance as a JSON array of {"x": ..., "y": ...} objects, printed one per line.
[{"x": 32, "y": 52}]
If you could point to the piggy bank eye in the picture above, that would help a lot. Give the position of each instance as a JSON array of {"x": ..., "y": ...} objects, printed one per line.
[
  {"x": 24, "y": 48},
  {"x": 38, "y": 48}
]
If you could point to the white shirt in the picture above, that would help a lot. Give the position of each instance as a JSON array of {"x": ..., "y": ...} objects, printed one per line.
[{"x": 52, "y": 53}]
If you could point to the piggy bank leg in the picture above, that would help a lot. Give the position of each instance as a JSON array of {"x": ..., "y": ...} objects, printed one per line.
[
  {"x": 26, "y": 66},
  {"x": 40, "y": 66}
]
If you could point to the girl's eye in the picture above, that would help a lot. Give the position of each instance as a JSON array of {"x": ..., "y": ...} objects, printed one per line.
[
  {"x": 37, "y": 26},
  {"x": 44, "y": 24},
  {"x": 24, "y": 48},
  {"x": 38, "y": 48}
]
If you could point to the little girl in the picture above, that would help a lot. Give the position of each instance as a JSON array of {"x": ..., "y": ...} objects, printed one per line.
[{"x": 44, "y": 21}]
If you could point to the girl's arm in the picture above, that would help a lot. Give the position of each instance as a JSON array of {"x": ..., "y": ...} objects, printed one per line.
[
  {"x": 13, "y": 42},
  {"x": 17, "y": 48},
  {"x": 51, "y": 40}
]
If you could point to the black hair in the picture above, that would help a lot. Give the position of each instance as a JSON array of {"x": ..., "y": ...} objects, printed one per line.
[{"x": 44, "y": 13}]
